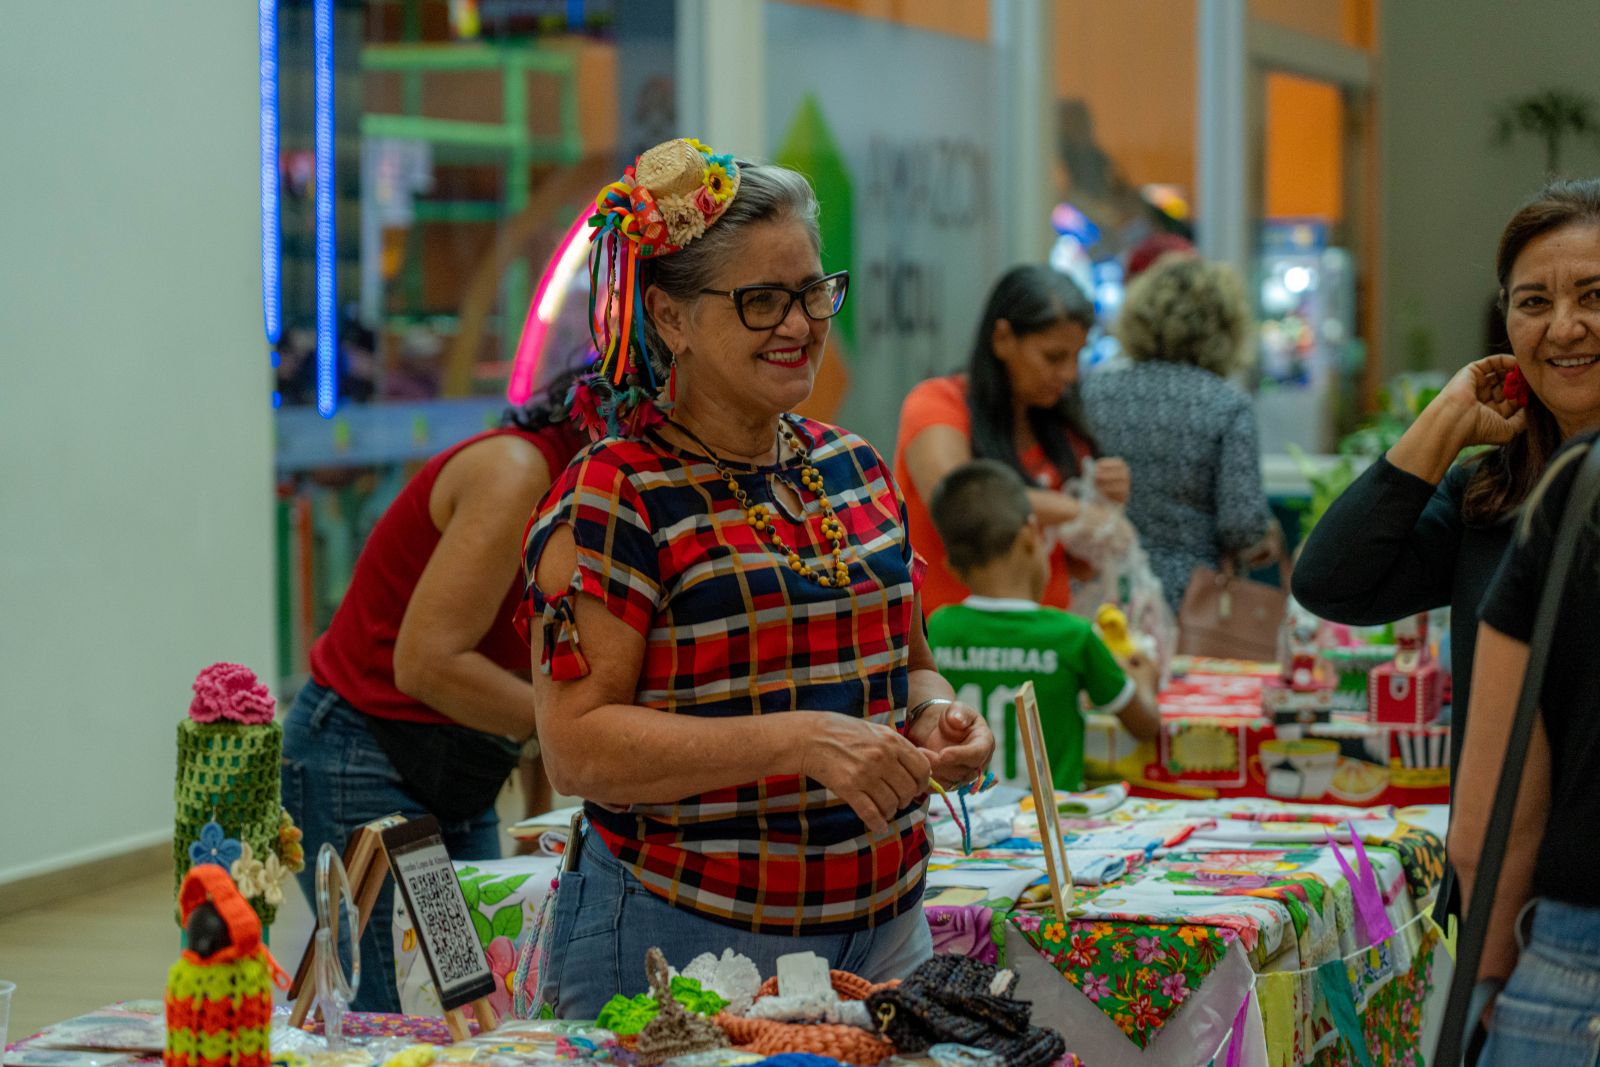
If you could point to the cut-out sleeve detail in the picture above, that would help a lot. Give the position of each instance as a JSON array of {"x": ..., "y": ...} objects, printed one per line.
[{"x": 617, "y": 560}]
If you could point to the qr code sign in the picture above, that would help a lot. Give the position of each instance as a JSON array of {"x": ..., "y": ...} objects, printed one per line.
[
  {"x": 441, "y": 912},
  {"x": 449, "y": 941}
]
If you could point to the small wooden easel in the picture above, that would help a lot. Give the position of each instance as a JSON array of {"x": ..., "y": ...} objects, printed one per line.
[
  {"x": 367, "y": 866},
  {"x": 1044, "y": 800}
]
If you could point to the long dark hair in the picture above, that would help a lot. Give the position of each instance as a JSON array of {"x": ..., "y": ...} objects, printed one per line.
[
  {"x": 546, "y": 408},
  {"x": 1031, "y": 298},
  {"x": 1506, "y": 475}
]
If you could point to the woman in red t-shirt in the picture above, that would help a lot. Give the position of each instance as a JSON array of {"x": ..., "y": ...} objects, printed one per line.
[
  {"x": 1017, "y": 403},
  {"x": 420, "y": 696}
]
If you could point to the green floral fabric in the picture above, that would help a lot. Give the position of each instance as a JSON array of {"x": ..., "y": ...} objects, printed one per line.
[{"x": 1137, "y": 975}]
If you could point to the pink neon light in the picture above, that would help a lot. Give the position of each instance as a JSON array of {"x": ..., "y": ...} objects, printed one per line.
[{"x": 548, "y": 297}]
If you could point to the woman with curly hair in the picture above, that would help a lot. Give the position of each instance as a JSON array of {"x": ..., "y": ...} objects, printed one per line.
[{"x": 1187, "y": 433}]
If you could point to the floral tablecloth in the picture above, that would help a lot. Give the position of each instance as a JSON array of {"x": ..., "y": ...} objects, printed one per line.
[
  {"x": 1140, "y": 949},
  {"x": 1243, "y": 877}
]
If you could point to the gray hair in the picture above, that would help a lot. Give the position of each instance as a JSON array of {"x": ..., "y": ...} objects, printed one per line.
[
  {"x": 767, "y": 193},
  {"x": 1186, "y": 311}
]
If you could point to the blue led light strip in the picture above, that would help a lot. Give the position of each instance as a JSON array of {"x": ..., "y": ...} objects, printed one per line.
[
  {"x": 327, "y": 293},
  {"x": 271, "y": 209}
]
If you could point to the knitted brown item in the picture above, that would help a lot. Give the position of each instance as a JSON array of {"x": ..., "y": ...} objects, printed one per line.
[
  {"x": 846, "y": 1044},
  {"x": 959, "y": 1000},
  {"x": 675, "y": 1031}
]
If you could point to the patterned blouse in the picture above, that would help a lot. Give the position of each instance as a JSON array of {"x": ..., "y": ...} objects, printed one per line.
[
  {"x": 730, "y": 630},
  {"x": 1189, "y": 438}
]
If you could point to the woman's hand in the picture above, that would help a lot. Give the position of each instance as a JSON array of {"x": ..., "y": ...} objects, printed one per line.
[
  {"x": 1470, "y": 410},
  {"x": 1269, "y": 549},
  {"x": 1113, "y": 480},
  {"x": 957, "y": 742},
  {"x": 870, "y": 767},
  {"x": 1476, "y": 394}
]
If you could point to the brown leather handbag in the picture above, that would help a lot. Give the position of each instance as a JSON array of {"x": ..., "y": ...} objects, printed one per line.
[{"x": 1232, "y": 617}]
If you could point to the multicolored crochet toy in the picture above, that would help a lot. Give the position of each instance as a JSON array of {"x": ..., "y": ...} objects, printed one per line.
[
  {"x": 662, "y": 203},
  {"x": 219, "y": 994},
  {"x": 229, "y": 812}
]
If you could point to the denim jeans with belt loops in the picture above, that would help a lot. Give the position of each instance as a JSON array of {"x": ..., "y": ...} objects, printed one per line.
[
  {"x": 336, "y": 779},
  {"x": 605, "y": 920},
  {"x": 1549, "y": 1012}
]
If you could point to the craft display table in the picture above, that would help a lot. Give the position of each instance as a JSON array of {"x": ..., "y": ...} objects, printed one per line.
[
  {"x": 1238, "y": 931},
  {"x": 1217, "y": 741},
  {"x": 1192, "y": 919}
]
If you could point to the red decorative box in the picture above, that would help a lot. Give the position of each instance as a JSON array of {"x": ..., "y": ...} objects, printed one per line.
[{"x": 1405, "y": 694}]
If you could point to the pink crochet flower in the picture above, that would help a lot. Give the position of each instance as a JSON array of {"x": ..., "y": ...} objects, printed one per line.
[{"x": 231, "y": 691}]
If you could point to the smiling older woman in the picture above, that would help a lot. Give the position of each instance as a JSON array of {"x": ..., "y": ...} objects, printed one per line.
[{"x": 752, "y": 716}]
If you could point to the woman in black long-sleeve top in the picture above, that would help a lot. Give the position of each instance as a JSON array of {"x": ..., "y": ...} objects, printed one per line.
[{"x": 1418, "y": 531}]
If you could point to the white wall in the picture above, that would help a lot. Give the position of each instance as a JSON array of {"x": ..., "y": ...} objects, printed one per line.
[
  {"x": 135, "y": 429},
  {"x": 1447, "y": 189}
]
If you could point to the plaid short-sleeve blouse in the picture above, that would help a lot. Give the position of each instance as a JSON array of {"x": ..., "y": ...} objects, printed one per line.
[{"x": 730, "y": 630}]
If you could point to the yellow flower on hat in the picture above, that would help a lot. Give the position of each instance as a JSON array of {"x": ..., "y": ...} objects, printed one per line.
[
  {"x": 699, "y": 145},
  {"x": 718, "y": 183}
]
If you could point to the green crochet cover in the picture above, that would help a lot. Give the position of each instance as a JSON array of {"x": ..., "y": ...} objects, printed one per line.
[{"x": 229, "y": 772}]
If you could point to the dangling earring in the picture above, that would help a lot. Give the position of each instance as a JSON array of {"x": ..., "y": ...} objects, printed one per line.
[{"x": 672, "y": 380}]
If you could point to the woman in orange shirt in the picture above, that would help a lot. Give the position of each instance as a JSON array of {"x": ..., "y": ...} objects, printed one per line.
[{"x": 1016, "y": 403}]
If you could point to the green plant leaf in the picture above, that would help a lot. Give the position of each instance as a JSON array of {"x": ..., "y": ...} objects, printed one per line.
[
  {"x": 485, "y": 931},
  {"x": 508, "y": 922},
  {"x": 470, "y": 891}
]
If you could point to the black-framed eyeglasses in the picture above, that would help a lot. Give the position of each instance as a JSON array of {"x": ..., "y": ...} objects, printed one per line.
[{"x": 763, "y": 307}]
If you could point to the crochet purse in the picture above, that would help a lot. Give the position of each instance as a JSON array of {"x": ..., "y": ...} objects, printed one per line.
[{"x": 958, "y": 1000}]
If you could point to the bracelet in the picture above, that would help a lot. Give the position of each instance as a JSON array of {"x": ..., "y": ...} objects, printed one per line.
[{"x": 916, "y": 713}]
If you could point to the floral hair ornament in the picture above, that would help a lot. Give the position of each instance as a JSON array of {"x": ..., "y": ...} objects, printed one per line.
[{"x": 661, "y": 204}]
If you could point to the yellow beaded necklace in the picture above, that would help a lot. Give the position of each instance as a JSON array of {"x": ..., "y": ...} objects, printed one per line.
[{"x": 759, "y": 516}]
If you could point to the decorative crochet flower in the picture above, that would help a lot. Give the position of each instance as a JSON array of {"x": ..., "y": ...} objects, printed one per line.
[
  {"x": 1515, "y": 387},
  {"x": 274, "y": 874},
  {"x": 289, "y": 847},
  {"x": 231, "y": 691},
  {"x": 214, "y": 846},
  {"x": 249, "y": 874},
  {"x": 718, "y": 183},
  {"x": 685, "y": 220}
]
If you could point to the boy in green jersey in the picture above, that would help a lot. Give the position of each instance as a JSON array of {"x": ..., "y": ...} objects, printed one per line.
[{"x": 1001, "y": 636}]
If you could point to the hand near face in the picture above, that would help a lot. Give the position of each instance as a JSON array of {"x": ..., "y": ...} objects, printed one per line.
[
  {"x": 1113, "y": 480},
  {"x": 957, "y": 742},
  {"x": 1477, "y": 396}
]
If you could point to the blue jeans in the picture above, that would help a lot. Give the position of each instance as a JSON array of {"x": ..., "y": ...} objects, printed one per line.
[
  {"x": 335, "y": 780},
  {"x": 605, "y": 921},
  {"x": 1549, "y": 1012}
]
